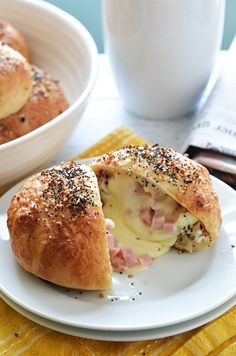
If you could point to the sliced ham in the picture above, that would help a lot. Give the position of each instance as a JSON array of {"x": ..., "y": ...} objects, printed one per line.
[
  {"x": 145, "y": 260},
  {"x": 158, "y": 220},
  {"x": 117, "y": 259},
  {"x": 146, "y": 216},
  {"x": 114, "y": 251},
  {"x": 118, "y": 263},
  {"x": 130, "y": 258},
  {"x": 124, "y": 257},
  {"x": 168, "y": 227}
]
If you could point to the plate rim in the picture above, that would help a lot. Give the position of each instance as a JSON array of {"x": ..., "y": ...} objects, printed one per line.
[
  {"x": 117, "y": 327},
  {"x": 122, "y": 335}
]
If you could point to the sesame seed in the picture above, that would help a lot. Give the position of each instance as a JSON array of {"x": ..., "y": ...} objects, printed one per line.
[{"x": 67, "y": 186}]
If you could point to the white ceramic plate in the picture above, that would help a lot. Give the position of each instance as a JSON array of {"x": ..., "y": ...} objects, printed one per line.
[
  {"x": 125, "y": 335},
  {"x": 177, "y": 287}
]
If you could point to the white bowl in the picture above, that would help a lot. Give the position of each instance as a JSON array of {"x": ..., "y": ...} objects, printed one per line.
[{"x": 61, "y": 45}]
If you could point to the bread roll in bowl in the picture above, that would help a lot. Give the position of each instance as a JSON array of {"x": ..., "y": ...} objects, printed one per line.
[
  {"x": 10, "y": 36},
  {"x": 165, "y": 199},
  {"x": 15, "y": 81},
  {"x": 45, "y": 103},
  {"x": 57, "y": 228}
]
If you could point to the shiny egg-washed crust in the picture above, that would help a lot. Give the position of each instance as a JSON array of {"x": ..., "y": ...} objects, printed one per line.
[
  {"x": 10, "y": 36},
  {"x": 183, "y": 179},
  {"x": 15, "y": 81},
  {"x": 46, "y": 102},
  {"x": 57, "y": 228}
]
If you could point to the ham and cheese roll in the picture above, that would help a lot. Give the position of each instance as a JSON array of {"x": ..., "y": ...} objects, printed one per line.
[
  {"x": 58, "y": 230},
  {"x": 157, "y": 199},
  {"x": 65, "y": 231}
]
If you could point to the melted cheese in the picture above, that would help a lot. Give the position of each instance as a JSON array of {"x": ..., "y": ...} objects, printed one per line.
[{"x": 123, "y": 199}]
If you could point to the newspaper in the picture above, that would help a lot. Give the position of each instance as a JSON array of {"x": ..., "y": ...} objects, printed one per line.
[{"x": 213, "y": 138}]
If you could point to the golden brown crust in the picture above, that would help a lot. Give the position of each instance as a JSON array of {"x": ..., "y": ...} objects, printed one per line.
[
  {"x": 57, "y": 228},
  {"x": 15, "y": 81},
  {"x": 10, "y": 36},
  {"x": 46, "y": 102},
  {"x": 183, "y": 179}
]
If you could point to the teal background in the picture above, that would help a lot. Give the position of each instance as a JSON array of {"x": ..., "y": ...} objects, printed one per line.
[{"x": 89, "y": 13}]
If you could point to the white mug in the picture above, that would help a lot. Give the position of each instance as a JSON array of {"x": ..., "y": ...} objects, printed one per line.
[{"x": 162, "y": 52}]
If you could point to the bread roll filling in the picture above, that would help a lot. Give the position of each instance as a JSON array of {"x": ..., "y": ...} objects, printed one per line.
[{"x": 147, "y": 221}]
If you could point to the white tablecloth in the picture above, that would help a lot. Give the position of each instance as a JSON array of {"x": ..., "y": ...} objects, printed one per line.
[{"x": 105, "y": 112}]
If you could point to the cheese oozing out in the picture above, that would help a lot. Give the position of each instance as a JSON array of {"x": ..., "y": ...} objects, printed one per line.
[{"x": 147, "y": 221}]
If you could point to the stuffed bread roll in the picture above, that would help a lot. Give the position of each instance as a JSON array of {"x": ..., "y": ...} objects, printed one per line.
[
  {"x": 157, "y": 199},
  {"x": 58, "y": 230}
]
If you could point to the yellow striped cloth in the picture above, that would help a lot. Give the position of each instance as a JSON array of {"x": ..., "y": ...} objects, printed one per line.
[{"x": 20, "y": 336}]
